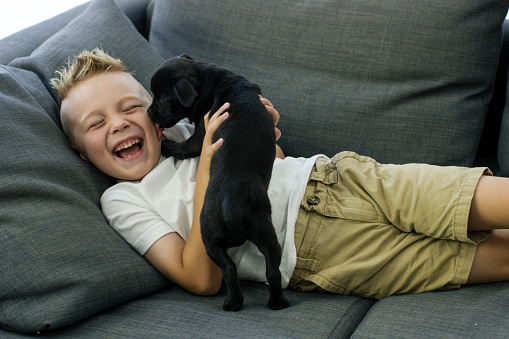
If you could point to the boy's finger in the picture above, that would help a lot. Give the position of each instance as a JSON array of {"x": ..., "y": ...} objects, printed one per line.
[
  {"x": 274, "y": 113},
  {"x": 217, "y": 144},
  {"x": 206, "y": 119},
  {"x": 278, "y": 133},
  {"x": 214, "y": 125},
  {"x": 220, "y": 111},
  {"x": 266, "y": 102}
]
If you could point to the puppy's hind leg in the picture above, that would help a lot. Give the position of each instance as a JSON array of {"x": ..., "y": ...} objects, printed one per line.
[
  {"x": 266, "y": 240},
  {"x": 216, "y": 243},
  {"x": 234, "y": 298}
]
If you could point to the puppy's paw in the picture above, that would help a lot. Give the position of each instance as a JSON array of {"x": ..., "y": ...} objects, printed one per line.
[
  {"x": 169, "y": 147},
  {"x": 178, "y": 150},
  {"x": 233, "y": 304},
  {"x": 278, "y": 303}
]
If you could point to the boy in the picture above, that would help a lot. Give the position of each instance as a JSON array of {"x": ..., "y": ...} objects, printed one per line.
[{"x": 347, "y": 225}]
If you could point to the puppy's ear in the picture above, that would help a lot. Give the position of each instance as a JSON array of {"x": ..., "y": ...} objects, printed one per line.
[{"x": 185, "y": 92}]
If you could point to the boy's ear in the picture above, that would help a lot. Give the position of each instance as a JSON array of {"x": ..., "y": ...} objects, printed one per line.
[
  {"x": 82, "y": 156},
  {"x": 185, "y": 92},
  {"x": 159, "y": 131}
]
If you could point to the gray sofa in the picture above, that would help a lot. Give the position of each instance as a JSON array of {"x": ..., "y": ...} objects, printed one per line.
[{"x": 401, "y": 81}]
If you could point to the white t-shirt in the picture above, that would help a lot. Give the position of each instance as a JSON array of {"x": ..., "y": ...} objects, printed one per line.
[{"x": 162, "y": 202}]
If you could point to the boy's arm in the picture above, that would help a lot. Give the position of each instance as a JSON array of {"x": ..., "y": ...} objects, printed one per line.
[
  {"x": 188, "y": 264},
  {"x": 279, "y": 152}
]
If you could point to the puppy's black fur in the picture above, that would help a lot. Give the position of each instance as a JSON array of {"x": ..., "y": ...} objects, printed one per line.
[{"x": 236, "y": 207}]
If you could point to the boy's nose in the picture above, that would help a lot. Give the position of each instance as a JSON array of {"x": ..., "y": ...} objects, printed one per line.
[{"x": 120, "y": 124}]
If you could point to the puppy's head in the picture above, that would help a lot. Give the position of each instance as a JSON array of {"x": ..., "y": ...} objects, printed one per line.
[{"x": 175, "y": 86}]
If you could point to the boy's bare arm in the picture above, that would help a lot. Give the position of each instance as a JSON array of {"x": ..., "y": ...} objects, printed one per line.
[
  {"x": 188, "y": 264},
  {"x": 279, "y": 152}
]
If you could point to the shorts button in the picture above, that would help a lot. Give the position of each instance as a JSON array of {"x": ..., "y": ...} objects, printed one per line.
[{"x": 314, "y": 200}]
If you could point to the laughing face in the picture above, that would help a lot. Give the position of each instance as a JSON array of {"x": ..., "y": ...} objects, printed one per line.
[{"x": 107, "y": 118}]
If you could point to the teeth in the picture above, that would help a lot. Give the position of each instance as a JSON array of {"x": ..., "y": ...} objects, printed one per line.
[{"x": 127, "y": 145}]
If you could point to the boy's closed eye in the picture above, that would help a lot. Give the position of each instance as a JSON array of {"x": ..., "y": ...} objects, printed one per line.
[
  {"x": 96, "y": 124},
  {"x": 131, "y": 109}
]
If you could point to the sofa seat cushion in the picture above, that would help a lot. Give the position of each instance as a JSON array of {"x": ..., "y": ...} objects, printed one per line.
[
  {"x": 60, "y": 260},
  {"x": 471, "y": 312},
  {"x": 175, "y": 313},
  {"x": 401, "y": 81}
]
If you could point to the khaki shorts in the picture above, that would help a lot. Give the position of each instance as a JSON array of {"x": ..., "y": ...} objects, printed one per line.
[{"x": 377, "y": 230}]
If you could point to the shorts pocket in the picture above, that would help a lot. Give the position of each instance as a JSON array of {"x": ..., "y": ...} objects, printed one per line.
[
  {"x": 327, "y": 195},
  {"x": 353, "y": 209},
  {"x": 350, "y": 208}
]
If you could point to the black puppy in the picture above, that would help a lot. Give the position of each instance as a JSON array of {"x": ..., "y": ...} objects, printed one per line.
[{"x": 236, "y": 207}]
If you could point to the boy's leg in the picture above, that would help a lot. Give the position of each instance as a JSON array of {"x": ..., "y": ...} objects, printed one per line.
[
  {"x": 379, "y": 230},
  {"x": 491, "y": 260},
  {"x": 490, "y": 211},
  {"x": 490, "y": 205}
]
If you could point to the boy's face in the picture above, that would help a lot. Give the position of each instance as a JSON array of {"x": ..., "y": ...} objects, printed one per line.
[{"x": 107, "y": 116}]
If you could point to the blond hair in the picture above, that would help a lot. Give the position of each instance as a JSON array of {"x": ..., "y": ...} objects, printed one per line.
[
  {"x": 85, "y": 65},
  {"x": 82, "y": 67}
]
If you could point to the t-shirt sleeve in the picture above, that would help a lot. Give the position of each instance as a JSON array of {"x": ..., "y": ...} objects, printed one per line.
[{"x": 138, "y": 224}]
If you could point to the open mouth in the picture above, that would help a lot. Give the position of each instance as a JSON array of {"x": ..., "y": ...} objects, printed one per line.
[{"x": 129, "y": 148}]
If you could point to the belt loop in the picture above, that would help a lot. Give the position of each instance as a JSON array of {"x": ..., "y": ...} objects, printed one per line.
[
  {"x": 326, "y": 177},
  {"x": 333, "y": 177},
  {"x": 319, "y": 172},
  {"x": 308, "y": 264},
  {"x": 317, "y": 176}
]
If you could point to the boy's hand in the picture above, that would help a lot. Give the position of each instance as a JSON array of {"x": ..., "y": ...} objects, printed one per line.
[
  {"x": 273, "y": 113},
  {"x": 211, "y": 126},
  {"x": 275, "y": 117}
]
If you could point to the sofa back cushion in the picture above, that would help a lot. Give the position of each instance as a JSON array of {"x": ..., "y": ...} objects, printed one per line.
[
  {"x": 402, "y": 81},
  {"x": 503, "y": 141},
  {"x": 60, "y": 261}
]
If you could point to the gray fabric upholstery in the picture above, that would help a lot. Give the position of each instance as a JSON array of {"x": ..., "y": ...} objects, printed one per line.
[
  {"x": 60, "y": 261},
  {"x": 23, "y": 43},
  {"x": 175, "y": 313},
  {"x": 377, "y": 77},
  {"x": 503, "y": 141},
  {"x": 362, "y": 75},
  {"x": 100, "y": 25},
  {"x": 471, "y": 312},
  {"x": 503, "y": 144}
]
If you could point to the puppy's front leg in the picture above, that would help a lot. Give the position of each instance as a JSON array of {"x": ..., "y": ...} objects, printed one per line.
[{"x": 187, "y": 149}]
